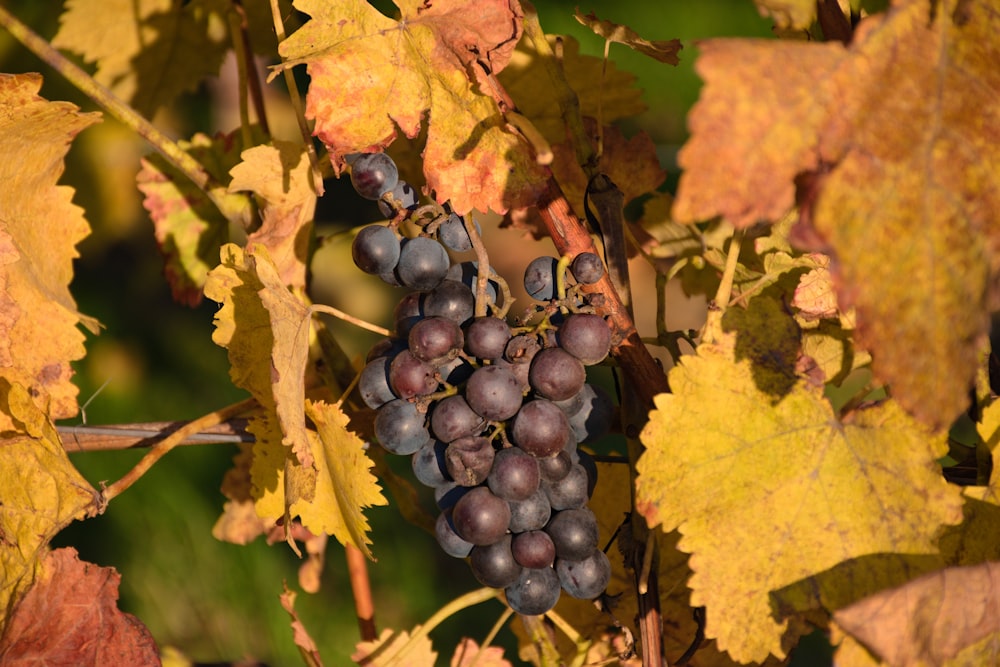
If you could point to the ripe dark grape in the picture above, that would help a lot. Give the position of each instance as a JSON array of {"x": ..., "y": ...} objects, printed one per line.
[
  {"x": 570, "y": 492},
  {"x": 494, "y": 393},
  {"x": 450, "y": 542},
  {"x": 404, "y": 197},
  {"x": 422, "y": 264},
  {"x": 373, "y": 174},
  {"x": 375, "y": 249},
  {"x": 514, "y": 475},
  {"x": 429, "y": 464},
  {"x": 587, "y": 268},
  {"x": 494, "y": 565},
  {"x": 469, "y": 460},
  {"x": 408, "y": 311},
  {"x": 587, "y": 578},
  {"x": 585, "y": 336},
  {"x": 556, "y": 374},
  {"x": 410, "y": 376},
  {"x": 555, "y": 468},
  {"x": 434, "y": 339},
  {"x": 399, "y": 427},
  {"x": 373, "y": 385},
  {"x": 574, "y": 532},
  {"x": 522, "y": 348},
  {"x": 480, "y": 517},
  {"x": 594, "y": 418},
  {"x": 453, "y": 419},
  {"x": 530, "y": 514},
  {"x": 486, "y": 337},
  {"x": 534, "y": 549},
  {"x": 453, "y": 235},
  {"x": 535, "y": 592},
  {"x": 540, "y": 278},
  {"x": 540, "y": 428},
  {"x": 451, "y": 300}
]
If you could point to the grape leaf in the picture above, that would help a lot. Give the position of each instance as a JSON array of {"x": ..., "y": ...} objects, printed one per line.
[
  {"x": 664, "y": 51},
  {"x": 281, "y": 176},
  {"x": 39, "y": 230},
  {"x": 931, "y": 619},
  {"x": 893, "y": 171},
  {"x": 378, "y": 653},
  {"x": 42, "y": 491},
  {"x": 371, "y": 75},
  {"x": 239, "y": 522},
  {"x": 789, "y": 14},
  {"x": 767, "y": 494},
  {"x": 308, "y": 648},
  {"x": 147, "y": 51},
  {"x": 189, "y": 228},
  {"x": 469, "y": 654},
  {"x": 70, "y": 616}
]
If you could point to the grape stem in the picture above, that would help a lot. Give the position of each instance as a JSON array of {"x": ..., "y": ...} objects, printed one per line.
[
  {"x": 339, "y": 314},
  {"x": 713, "y": 324}
]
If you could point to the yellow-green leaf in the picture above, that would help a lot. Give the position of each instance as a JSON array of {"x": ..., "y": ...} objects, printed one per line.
[
  {"x": 389, "y": 645},
  {"x": 39, "y": 230},
  {"x": 770, "y": 493}
]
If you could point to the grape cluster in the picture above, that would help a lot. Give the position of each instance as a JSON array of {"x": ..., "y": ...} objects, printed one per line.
[{"x": 491, "y": 415}]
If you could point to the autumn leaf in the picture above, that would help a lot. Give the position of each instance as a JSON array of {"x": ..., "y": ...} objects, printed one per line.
[
  {"x": 39, "y": 230},
  {"x": 789, "y": 14},
  {"x": 281, "y": 177},
  {"x": 932, "y": 619},
  {"x": 378, "y": 653},
  {"x": 664, "y": 51},
  {"x": 307, "y": 647},
  {"x": 70, "y": 616},
  {"x": 40, "y": 491},
  {"x": 770, "y": 494},
  {"x": 894, "y": 173},
  {"x": 147, "y": 51},
  {"x": 239, "y": 522},
  {"x": 189, "y": 228},
  {"x": 468, "y": 654},
  {"x": 372, "y": 77}
]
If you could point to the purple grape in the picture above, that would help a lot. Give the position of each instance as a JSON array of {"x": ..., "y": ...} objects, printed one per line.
[
  {"x": 494, "y": 393},
  {"x": 451, "y": 300},
  {"x": 410, "y": 376},
  {"x": 587, "y": 268},
  {"x": 375, "y": 249},
  {"x": 570, "y": 492},
  {"x": 555, "y": 468},
  {"x": 540, "y": 428},
  {"x": 373, "y": 174},
  {"x": 467, "y": 273},
  {"x": 535, "y": 592},
  {"x": 486, "y": 337},
  {"x": 399, "y": 427},
  {"x": 453, "y": 419},
  {"x": 480, "y": 517},
  {"x": 469, "y": 460},
  {"x": 556, "y": 374},
  {"x": 585, "y": 336},
  {"x": 422, "y": 264},
  {"x": 530, "y": 514},
  {"x": 574, "y": 533},
  {"x": 453, "y": 235},
  {"x": 534, "y": 549},
  {"x": 408, "y": 312},
  {"x": 451, "y": 543},
  {"x": 435, "y": 339},
  {"x": 429, "y": 465},
  {"x": 493, "y": 565},
  {"x": 373, "y": 384},
  {"x": 587, "y": 578},
  {"x": 514, "y": 475},
  {"x": 540, "y": 278}
]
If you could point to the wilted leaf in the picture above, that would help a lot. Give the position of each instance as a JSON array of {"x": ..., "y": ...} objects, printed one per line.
[
  {"x": 377, "y": 653},
  {"x": 769, "y": 493},
  {"x": 308, "y": 648},
  {"x": 40, "y": 491},
  {"x": 815, "y": 297},
  {"x": 39, "y": 230},
  {"x": 189, "y": 228},
  {"x": 894, "y": 173},
  {"x": 344, "y": 482},
  {"x": 468, "y": 654},
  {"x": 147, "y": 51},
  {"x": 281, "y": 176},
  {"x": 929, "y": 620},
  {"x": 70, "y": 616},
  {"x": 663, "y": 50},
  {"x": 371, "y": 75},
  {"x": 789, "y": 14}
]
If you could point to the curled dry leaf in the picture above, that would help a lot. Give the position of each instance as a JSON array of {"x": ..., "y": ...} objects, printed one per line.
[
  {"x": 663, "y": 50},
  {"x": 308, "y": 648}
]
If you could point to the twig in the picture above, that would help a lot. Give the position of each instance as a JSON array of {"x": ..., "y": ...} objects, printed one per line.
[
  {"x": 361, "y": 589},
  {"x": 713, "y": 323},
  {"x": 109, "y": 437},
  {"x": 339, "y": 314}
]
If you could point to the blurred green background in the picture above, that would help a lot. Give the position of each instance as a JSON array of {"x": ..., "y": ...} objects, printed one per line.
[{"x": 155, "y": 361}]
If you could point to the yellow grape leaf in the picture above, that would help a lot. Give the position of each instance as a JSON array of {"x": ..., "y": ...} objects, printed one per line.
[
  {"x": 40, "y": 492},
  {"x": 147, "y": 51},
  {"x": 892, "y": 171},
  {"x": 345, "y": 484},
  {"x": 469, "y": 654},
  {"x": 280, "y": 175},
  {"x": 371, "y": 75},
  {"x": 769, "y": 494},
  {"x": 189, "y": 228},
  {"x": 789, "y": 14},
  {"x": 663, "y": 50},
  {"x": 39, "y": 230},
  {"x": 378, "y": 653}
]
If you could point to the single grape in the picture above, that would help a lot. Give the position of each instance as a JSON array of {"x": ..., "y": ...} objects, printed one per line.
[
  {"x": 451, "y": 543},
  {"x": 494, "y": 393},
  {"x": 514, "y": 475},
  {"x": 540, "y": 278},
  {"x": 540, "y": 428},
  {"x": 407, "y": 312},
  {"x": 422, "y": 264},
  {"x": 404, "y": 198},
  {"x": 587, "y": 578},
  {"x": 453, "y": 235},
  {"x": 585, "y": 336},
  {"x": 533, "y": 549},
  {"x": 469, "y": 460},
  {"x": 530, "y": 514},
  {"x": 556, "y": 374},
  {"x": 453, "y": 419},
  {"x": 522, "y": 348},
  {"x": 486, "y": 337},
  {"x": 571, "y": 491},
  {"x": 535, "y": 592},
  {"x": 375, "y": 249},
  {"x": 410, "y": 376},
  {"x": 451, "y": 300},
  {"x": 493, "y": 565},
  {"x": 519, "y": 371},
  {"x": 399, "y": 427},
  {"x": 574, "y": 532},
  {"x": 593, "y": 420},
  {"x": 435, "y": 340},
  {"x": 587, "y": 268},
  {"x": 373, "y": 384},
  {"x": 480, "y": 517},
  {"x": 467, "y": 273},
  {"x": 555, "y": 468},
  {"x": 429, "y": 466},
  {"x": 373, "y": 174}
]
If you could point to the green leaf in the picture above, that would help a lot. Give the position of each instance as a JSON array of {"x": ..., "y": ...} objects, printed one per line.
[{"x": 770, "y": 493}]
